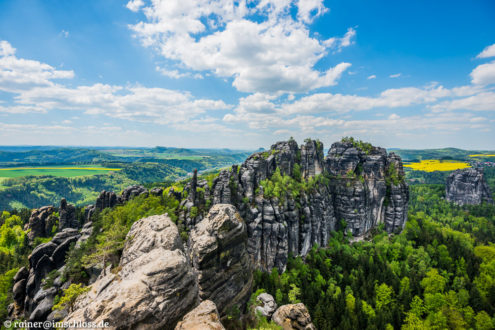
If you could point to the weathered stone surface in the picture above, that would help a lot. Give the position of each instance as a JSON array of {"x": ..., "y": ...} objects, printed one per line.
[
  {"x": 268, "y": 305},
  {"x": 58, "y": 255},
  {"x": 467, "y": 186},
  {"x": 21, "y": 274},
  {"x": 19, "y": 291},
  {"x": 40, "y": 251},
  {"x": 312, "y": 158},
  {"x": 362, "y": 187},
  {"x": 41, "y": 222},
  {"x": 67, "y": 215},
  {"x": 63, "y": 235},
  {"x": 294, "y": 316},
  {"x": 155, "y": 287},
  {"x": 104, "y": 200},
  {"x": 158, "y": 191},
  {"x": 42, "y": 310},
  {"x": 131, "y": 192},
  {"x": 31, "y": 299},
  {"x": 218, "y": 246},
  {"x": 203, "y": 317}
]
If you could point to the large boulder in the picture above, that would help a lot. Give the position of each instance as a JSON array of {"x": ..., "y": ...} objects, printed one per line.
[
  {"x": 267, "y": 305},
  {"x": 293, "y": 316},
  {"x": 467, "y": 186},
  {"x": 67, "y": 215},
  {"x": 203, "y": 317},
  {"x": 155, "y": 286},
  {"x": 218, "y": 246}
]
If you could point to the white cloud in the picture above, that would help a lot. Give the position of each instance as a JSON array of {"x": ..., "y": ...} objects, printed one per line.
[
  {"x": 18, "y": 74},
  {"x": 64, "y": 33},
  {"x": 308, "y": 10},
  {"x": 6, "y": 49},
  {"x": 175, "y": 74},
  {"x": 372, "y": 77},
  {"x": 20, "y": 109},
  {"x": 396, "y": 75},
  {"x": 157, "y": 105},
  {"x": 135, "y": 5},
  {"x": 274, "y": 54},
  {"x": 484, "y": 74},
  {"x": 484, "y": 101},
  {"x": 487, "y": 52}
]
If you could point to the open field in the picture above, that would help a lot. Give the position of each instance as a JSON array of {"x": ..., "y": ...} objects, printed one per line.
[
  {"x": 432, "y": 165},
  {"x": 61, "y": 171}
]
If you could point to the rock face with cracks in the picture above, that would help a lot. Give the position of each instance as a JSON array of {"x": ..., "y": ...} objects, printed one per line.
[
  {"x": 155, "y": 286},
  {"x": 357, "y": 186},
  {"x": 294, "y": 316},
  {"x": 218, "y": 246},
  {"x": 467, "y": 186},
  {"x": 203, "y": 317}
]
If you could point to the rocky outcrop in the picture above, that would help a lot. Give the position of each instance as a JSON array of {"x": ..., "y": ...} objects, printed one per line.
[
  {"x": 218, "y": 246},
  {"x": 33, "y": 295},
  {"x": 203, "y": 317},
  {"x": 67, "y": 216},
  {"x": 294, "y": 316},
  {"x": 104, "y": 200},
  {"x": 157, "y": 191},
  {"x": 131, "y": 192},
  {"x": 357, "y": 186},
  {"x": 467, "y": 186},
  {"x": 155, "y": 286},
  {"x": 267, "y": 305},
  {"x": 41, "y": 222},
  {"x": 108, "y": 199}
]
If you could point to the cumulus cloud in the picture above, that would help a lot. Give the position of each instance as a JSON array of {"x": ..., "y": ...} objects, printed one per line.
[
  {"x": 484, "y": 101},
  {"x": 33, "y": 84},
  {"x": 17, "y": 74},
  {"x": 371, "y": 77},
  {"x": 135, "y": 5},
  {"x": 273, "y": 54},
  {"x": 396, "y": 75},
  {"x": 158, "y": 105},
  {"x": 487, "y": 52},
  {"x": 484, "y": 74}
]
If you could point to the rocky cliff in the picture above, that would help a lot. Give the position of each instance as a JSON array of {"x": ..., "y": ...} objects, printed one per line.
[
  {"x": 161, "y": 278},
  {"x": 292, "y": 197},
  {"x": 467, "y": 186}
]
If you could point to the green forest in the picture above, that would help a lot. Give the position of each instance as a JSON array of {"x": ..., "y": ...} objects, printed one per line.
[{"x": 439, "y": 273}]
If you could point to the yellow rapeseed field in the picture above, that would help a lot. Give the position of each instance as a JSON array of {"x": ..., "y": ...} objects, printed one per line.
[
  {"x": 481, "y": 155},
  {"x": 432, "y": 165}
]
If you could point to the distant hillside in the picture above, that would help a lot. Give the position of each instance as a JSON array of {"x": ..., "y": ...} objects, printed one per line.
[{"x": 444, "y": 153}]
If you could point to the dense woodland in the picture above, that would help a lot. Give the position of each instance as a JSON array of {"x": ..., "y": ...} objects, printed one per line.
[{"x": 438, "y": 273}]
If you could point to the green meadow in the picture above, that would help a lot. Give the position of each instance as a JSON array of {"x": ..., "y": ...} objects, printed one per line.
[{"x": 61, "y": 171}]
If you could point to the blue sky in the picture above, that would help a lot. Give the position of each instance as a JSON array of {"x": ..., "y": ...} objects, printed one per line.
[{"x": 242, "y": 74}]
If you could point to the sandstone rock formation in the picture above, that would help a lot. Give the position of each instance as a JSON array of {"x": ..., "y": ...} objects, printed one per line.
[
  {"x": 131, "y": 192},
  {"x": 33, "y": 301},
  {"x": 218, "y": 247},
  {"x": 110, "y": 199},
  {"x": 268, "y": 305},
  {"x": 294, "y": 316},
  {"x": 356, "y": 185},
  {"x": 67, "y": 216},
  {"x": 467, "y": 186},
  {"x": 155, "y": 287},
  {"x": 41, "y": 222},
  {"x": 203, "y": 317}
]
